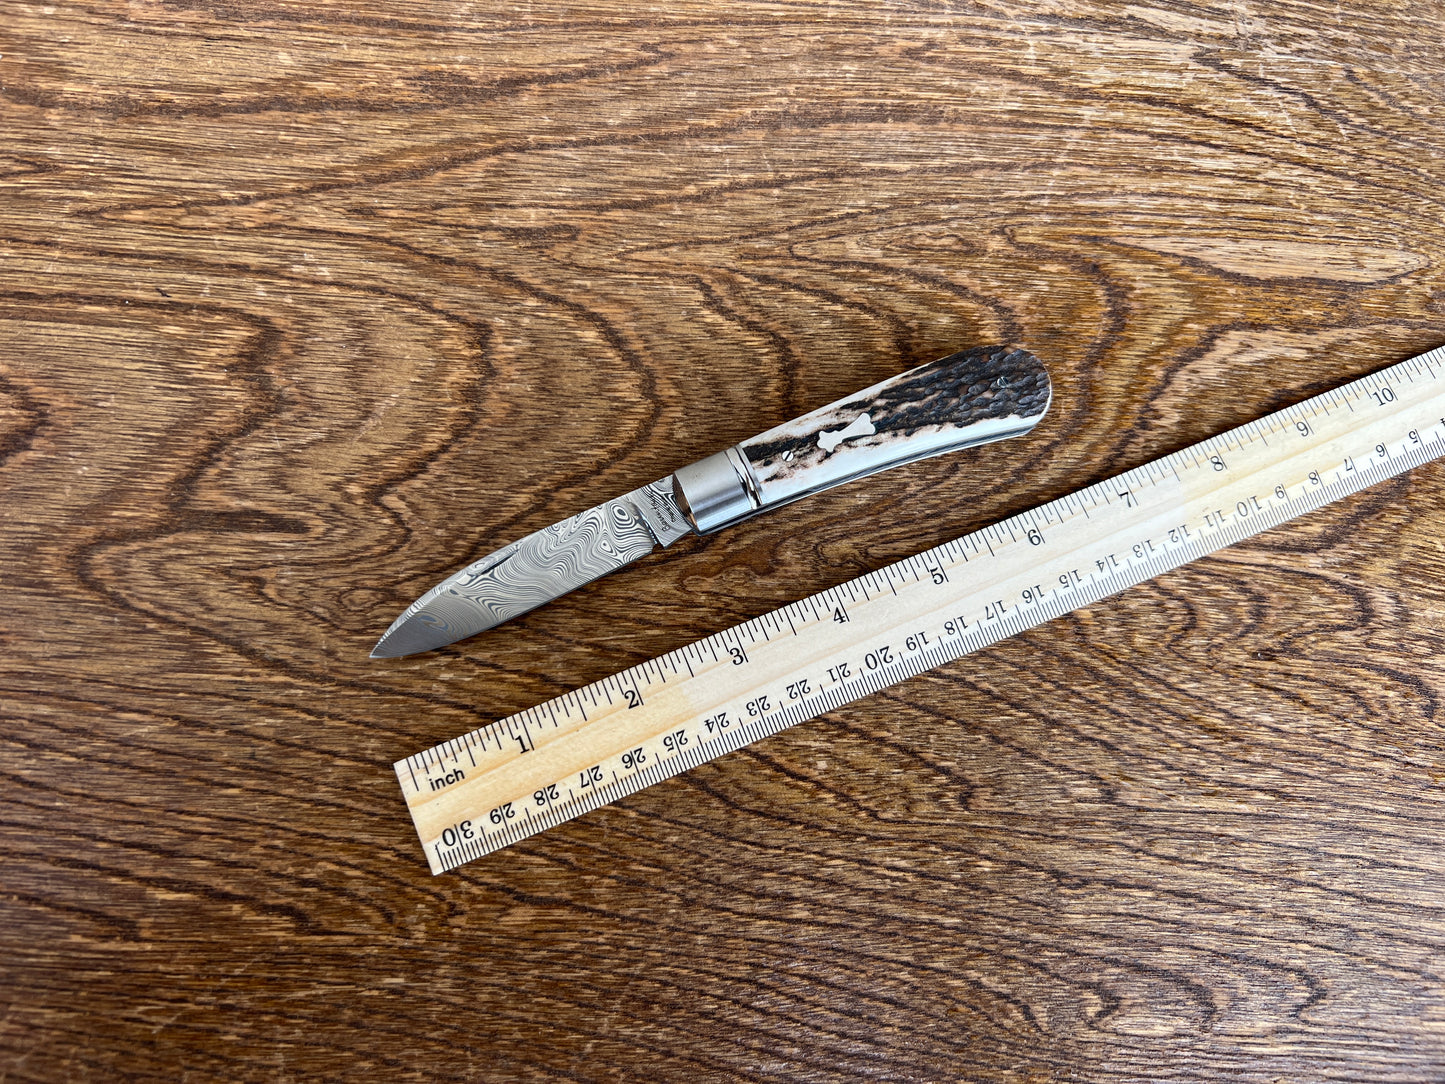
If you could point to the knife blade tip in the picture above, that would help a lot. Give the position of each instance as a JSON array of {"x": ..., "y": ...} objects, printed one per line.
[{"x": 411, "y": 637}]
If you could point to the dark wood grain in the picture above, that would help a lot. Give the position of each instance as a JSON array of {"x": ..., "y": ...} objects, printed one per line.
[{"x": 302, "y": 305}]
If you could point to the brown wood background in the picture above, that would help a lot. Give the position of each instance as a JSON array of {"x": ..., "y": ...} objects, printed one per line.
[{"x": 304, "y": 303}]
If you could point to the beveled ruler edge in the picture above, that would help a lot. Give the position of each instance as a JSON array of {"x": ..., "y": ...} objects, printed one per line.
[{"x": 451, "y": 769}]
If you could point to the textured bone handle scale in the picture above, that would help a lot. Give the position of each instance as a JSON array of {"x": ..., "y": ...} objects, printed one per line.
[{"x": 968, "y": 398}]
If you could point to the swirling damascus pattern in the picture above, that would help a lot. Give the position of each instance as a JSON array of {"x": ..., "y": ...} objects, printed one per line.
[{"x": 524, "y": 575}]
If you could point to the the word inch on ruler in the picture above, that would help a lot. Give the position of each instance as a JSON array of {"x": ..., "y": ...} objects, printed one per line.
[{"x": 537, "y": 769}]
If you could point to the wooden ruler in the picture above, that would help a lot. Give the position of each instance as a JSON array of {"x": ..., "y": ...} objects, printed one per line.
[{"x": 556, "y": 761}]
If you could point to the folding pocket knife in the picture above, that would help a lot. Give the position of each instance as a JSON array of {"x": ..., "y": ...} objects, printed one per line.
[{"x": 972, "y": 397}]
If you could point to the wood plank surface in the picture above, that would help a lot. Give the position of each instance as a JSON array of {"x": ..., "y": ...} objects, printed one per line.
[{"x": 304, "y": 304}]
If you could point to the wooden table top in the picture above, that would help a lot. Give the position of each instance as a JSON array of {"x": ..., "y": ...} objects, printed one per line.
[{"x": 302, "y": 305}]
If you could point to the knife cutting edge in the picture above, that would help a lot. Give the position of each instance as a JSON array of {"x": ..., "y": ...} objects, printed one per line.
[{"x": 968, "y": 398}]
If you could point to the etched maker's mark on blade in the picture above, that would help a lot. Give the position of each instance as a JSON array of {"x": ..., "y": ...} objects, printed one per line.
[{"x": 545, "y": 565}]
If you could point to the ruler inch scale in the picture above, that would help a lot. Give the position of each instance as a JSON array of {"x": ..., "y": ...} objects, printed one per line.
[{"x": 553, "y": 762}]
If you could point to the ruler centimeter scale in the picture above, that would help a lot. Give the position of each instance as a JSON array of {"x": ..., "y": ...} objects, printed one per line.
[{"x": 535, "y": 770}]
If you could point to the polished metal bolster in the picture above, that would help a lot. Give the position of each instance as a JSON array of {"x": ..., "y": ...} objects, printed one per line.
[{"x": 716, "y": 491}]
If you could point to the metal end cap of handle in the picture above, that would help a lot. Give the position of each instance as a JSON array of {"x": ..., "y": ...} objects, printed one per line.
[{"x": 715, "y": 492}]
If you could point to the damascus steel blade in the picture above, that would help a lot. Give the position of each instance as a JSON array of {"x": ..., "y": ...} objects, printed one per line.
[{"x": 535, "y": 570}]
